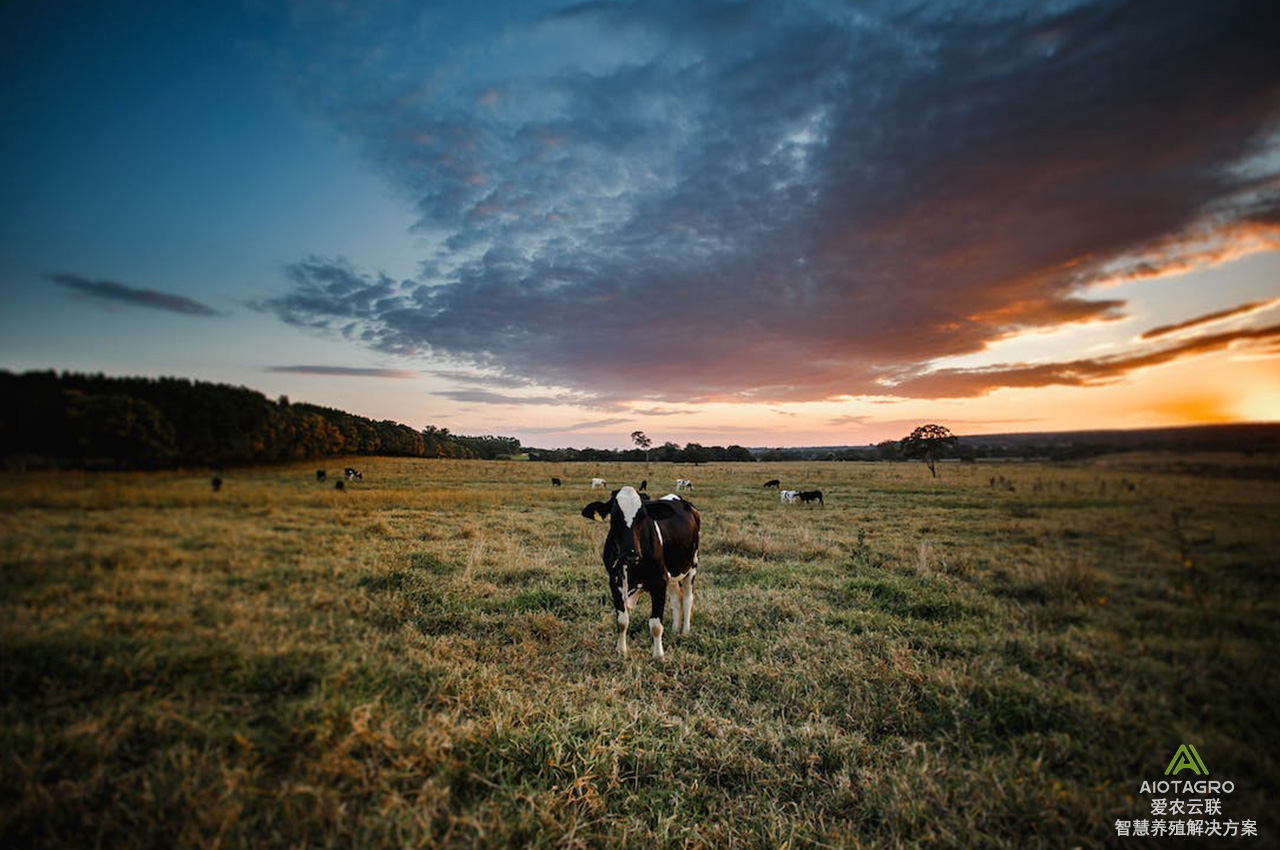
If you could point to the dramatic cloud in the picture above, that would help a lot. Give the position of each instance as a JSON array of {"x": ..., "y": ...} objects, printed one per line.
[
  {"x": 957, "y": 383},
  {"x": 775, "y": 201},
  {"x": 345, "y": 371},
  {"x": 117, "y": 293}
]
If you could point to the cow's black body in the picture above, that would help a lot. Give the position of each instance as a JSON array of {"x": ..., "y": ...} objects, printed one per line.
[{"x": 651, "y": 545}]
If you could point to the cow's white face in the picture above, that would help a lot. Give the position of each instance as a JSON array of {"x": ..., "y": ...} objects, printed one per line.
[{"x": 629, "y": 505}]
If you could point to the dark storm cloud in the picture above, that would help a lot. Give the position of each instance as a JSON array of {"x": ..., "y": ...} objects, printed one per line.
[
  {"x": 345, "y": 371},
  {"x": 110, "y": 291},
  {"x": 765, "y": 201}
]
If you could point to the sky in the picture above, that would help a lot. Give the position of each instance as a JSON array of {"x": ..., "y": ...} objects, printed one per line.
[{"x": 752, "y": 223}]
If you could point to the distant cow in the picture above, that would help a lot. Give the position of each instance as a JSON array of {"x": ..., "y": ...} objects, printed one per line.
[
  {"x": 555, "y": 482},
  {"x": 217, "y": 483},
  {"x": 684, "y": 484},
  {"x": 788, "y": 497},
  {"x": 597, "y": 482},
  {"x": 353, "y": 474},
  {"x": 321, "y": 475},
  {"x": 772, "y": 482},
  {"x": 338, "y": 485},
  {"x": 651, "y": 545},
  {"x": 644, "y": 485},
  {"x": 806, "y": 496}
]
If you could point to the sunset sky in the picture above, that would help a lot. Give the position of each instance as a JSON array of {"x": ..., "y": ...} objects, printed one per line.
[{"x": 761, "y": 223}]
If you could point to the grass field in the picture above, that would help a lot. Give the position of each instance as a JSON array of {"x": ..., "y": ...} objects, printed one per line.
[{"x": 996, "y": 658}]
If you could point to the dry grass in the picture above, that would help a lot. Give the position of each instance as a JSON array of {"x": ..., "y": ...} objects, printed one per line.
[{"x": 427, "y": 658}]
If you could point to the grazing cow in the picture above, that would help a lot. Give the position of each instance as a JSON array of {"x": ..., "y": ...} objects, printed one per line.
[
  {"x": 684, "y": 484},
  {"x": 651, "y": 546},
  {"x": 788, "y": 497},
  {"x": 321, "y": 475},
  {"x": 807, "y": 496},
  {"x": 772, "y": 482},
  {"x": 354, "y": 474},
  {"x": 597, "y": 482},
  {"x": 338, "y": 485},
  {"x": 217, "y": 483},
  {"x": 555, "y": 482}
]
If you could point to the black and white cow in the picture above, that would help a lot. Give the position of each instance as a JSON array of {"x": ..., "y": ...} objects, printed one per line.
[
  {"x": 353, "y": 474},
  {"x": 598, "y": 482},
  {"x": 651, "y": 546},
  {"x": 684, "y": 484}
]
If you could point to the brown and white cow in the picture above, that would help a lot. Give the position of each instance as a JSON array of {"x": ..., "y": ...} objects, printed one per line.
[{"x": 652, "y": 545}]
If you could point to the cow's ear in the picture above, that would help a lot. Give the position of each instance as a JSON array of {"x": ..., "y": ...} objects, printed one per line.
[
  {"x": 660, "y": 509},
  {"x": 596, "y": 511}
]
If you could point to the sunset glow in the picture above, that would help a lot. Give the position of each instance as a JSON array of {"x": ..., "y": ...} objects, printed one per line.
[{"x": 727, "y": 223}]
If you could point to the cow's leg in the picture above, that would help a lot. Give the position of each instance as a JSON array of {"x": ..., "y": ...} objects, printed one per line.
[
  {"x": 677, "y": 603},
  {"x": 687, "y": 601},
  {"x": 620, "y": 607},
  {"x": 623, "y": 621},
  {"x": 659, "y": 595}
]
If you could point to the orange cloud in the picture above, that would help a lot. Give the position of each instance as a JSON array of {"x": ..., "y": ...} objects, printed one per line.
[
  {"x": 1209, "y": 245},
  {"x": 961, "y": 383},
  {"x": 1250, "y": 307}
]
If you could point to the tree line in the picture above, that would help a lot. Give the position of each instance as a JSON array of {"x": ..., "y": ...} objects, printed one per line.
[
  {"x": 666, "y": 453},
  {"x": 90, "y": 420},
  {"x": 68, "y": 419}
]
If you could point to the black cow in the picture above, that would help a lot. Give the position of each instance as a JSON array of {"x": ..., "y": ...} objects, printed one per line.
[
  {"x": 644, "y": 485},
  {"x": 807, "y": 496},
  {"x": 338, "y": 485},
  {"x": 321, "y": 475},
  {"x": 651, "y": 545},
  {"x": 773, "y": 482},
  {"x": 555, "y": 482},
  {"x": 217, "y": 483}
]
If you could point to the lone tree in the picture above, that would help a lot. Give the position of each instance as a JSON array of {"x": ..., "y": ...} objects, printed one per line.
[
  {"x": 642, "y": 442},
  {"x": 928, "y": 443}
]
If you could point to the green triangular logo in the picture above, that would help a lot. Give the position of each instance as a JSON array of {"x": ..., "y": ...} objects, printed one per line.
[{"x": 1186, "y": 757}]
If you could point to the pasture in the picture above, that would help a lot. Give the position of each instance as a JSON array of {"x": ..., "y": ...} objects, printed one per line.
[{"x": 995, "y": 658}]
